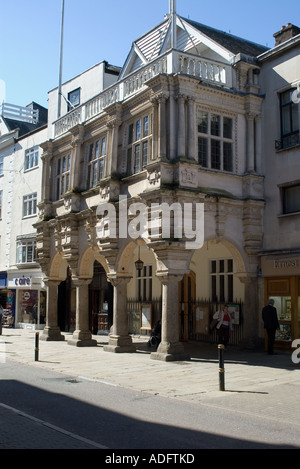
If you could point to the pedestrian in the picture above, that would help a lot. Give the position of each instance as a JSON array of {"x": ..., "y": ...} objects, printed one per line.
[
  {"x": 224, "y": 325},
  {"x": 271, "y": 324}
]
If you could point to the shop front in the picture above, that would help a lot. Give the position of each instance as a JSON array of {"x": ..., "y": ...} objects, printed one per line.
[
  {"x": 30, "y": 299},
  {"x": 282, "y": 283}
]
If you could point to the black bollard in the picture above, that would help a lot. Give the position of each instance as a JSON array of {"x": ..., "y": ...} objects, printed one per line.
[
  {"x": 221, "y": 368},
  {"x": 36, "y": 349}
]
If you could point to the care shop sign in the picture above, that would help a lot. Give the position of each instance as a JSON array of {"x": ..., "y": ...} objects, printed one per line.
[{"x": 19, "y": 281}]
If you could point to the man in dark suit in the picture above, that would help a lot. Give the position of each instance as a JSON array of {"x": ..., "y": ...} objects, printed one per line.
[{"x": 269, "y": 315}]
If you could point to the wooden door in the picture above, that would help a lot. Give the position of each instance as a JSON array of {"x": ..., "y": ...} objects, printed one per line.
[{"x": 187, "y": 293}]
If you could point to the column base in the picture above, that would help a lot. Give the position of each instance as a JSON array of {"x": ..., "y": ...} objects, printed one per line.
[
  {"x": 82, "y": 339},
  {"x": 170, "y": 352},
  {"x": 119, "y": 344},
  {"x": 52, "y": 334}
]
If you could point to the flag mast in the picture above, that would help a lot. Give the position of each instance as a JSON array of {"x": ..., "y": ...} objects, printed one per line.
[
  {"x": 173, "y": 22},
  {"x": 61, "y": 59}
]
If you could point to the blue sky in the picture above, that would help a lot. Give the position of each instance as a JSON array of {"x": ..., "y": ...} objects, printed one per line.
[{"x": 97, "y": 30}]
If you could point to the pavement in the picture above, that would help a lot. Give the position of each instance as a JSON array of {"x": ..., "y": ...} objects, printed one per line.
[{"x": 255, "y": 383}]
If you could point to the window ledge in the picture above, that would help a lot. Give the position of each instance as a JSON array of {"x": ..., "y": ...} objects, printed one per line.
[{"x": 285, "y": 215}]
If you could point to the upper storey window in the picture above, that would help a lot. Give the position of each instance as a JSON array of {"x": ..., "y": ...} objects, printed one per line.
[
  {"x": 96, "y": 161},
  {"x": 73, "y": 99},
  {"x": 138, "y": 145},
  {"x": 31, "y": 158},
  {"x": 289, "y": 110},
  {"x": 215, "y": 141},
  {"x": 63, "y": 168}
]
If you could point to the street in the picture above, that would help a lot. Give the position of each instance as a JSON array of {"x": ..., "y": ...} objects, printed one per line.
[{"x": 42, "y": 409}]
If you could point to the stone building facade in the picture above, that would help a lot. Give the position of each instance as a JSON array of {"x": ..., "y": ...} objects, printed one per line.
[{"x": 182, "y": 124}]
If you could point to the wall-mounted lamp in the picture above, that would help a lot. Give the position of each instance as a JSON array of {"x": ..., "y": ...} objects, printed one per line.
[{"x": 139, "y": 264}]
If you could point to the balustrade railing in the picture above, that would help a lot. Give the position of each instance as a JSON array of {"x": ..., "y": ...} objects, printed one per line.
[{"x": 172, "y": 62}]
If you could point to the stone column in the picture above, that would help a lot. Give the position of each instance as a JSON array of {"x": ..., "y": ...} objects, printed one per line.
[
  {"x": 75, "y": 169},
  {"x": 82, "y": 336},
  {"x": 250, "y": 144},
  {"x": 162, "y": 140},
  {"x": 172, "y": 131},
  {"x": 191, "y": 129},
  {"x": 181, "y": 135},
  {"x": 154, "y": 128},
  {"x": 251, "y": 313},
  {"x": 119, "y": 339},
  {"x": 113, "y": 126},
  {"x": 170, "y": 348},
  {"x": 51, "y": 330}
]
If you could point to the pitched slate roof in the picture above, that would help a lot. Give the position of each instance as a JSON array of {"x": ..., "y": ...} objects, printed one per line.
[{"x": 232, "y": 43}]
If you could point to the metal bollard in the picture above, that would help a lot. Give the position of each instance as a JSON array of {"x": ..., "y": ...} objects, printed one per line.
[
  {"x": 36, "y": 349},
  {"x": 221, "y": 368}
]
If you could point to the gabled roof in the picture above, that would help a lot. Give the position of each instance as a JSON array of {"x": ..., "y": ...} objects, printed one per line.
[
  {"x": 191, "y": 36},
  {"x": 234, "y": 44}
]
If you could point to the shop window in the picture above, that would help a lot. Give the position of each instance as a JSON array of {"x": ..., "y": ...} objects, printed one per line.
[
  {"x": 221, "y": 280},
  {"x": 215, "y": 141},
  {"x": 283, "y": 307},
  {"x": 1, "y": 193},
  {"x": 96, "y": 161},
  {"x": 138, "y": 145}
]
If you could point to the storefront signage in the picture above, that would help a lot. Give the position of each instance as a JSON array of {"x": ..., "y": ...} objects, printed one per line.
[
  {"x": 280, "y": 266},
  {"x": 285, "y": 264},
  {"x": 23, "y": 282}
]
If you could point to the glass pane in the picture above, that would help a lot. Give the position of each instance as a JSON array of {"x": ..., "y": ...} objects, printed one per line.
[
  {"x": 295, "y": 117},
  {"x": 145, "y": 154},
  {"x": 215, "y": 125},
  {"x": 137, "y": 159},
  {"x": 227, "y": 127},
  {"x": 286, "y": 121},
  {"x": 103, "y": 146},
  {"x": 130, "y": 134},
  {"x": 227, "y": 157},
  {"x": 138, "y": 130},
  {"x": 146, "y": 126},
  {"x": 292, "y": 199},
  {"x": 215, "y": 154},
  {"x": 202, "y": 122},
  {"x": 202, "y": 151}
]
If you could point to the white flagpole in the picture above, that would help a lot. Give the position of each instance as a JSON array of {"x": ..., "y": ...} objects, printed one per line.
[
  {"x": 61, "y": 59},
  {"x": 173, "y": 20}
]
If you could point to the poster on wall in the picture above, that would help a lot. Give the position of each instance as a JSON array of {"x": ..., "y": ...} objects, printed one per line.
[
  {"x": 146, "y": 317},
  {"x": 234, "y": 311}
]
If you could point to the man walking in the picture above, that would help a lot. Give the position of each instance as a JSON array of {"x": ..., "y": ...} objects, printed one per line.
[{"x": 269, "y": 315}]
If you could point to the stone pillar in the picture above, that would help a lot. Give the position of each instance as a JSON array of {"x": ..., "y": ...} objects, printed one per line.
[
  {"x": 181, "y": 127},
  {"x": 154, "y": 129},
  {"x": 162, "y": 140},
  {"x": 82, "y": 336},
  {"x": 170, "y": 348},
  {"x": 51, "y": 330},
  {"x": 172, "y": 131},
  {"x": 113, "y": 125},
  {"x": 251, "y": 313},
  {"x": 119, "y": 339},
  {"x": 191, "y": 129},
  {"x": 75, "y": 169},
  {"x": 250, "y": 144}
]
